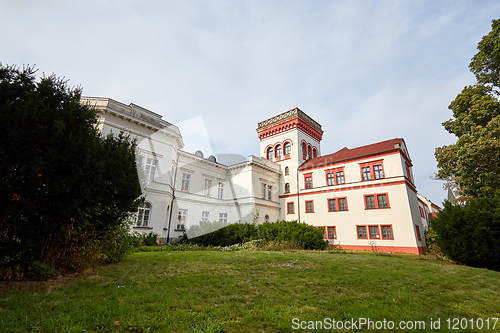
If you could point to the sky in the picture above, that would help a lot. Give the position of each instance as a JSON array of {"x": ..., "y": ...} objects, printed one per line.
[{"x": 366, "y": 70}]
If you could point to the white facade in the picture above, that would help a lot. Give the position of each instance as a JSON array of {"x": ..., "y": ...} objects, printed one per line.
[{"x": 181, "y": 189}]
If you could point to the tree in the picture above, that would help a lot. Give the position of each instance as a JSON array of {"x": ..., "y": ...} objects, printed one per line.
[
  {"x": 471, "y": 166},
  {"x": 62, "y": 185}
]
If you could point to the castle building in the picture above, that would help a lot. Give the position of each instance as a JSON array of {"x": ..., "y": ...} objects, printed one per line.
[{"x": 364, "y": 198}]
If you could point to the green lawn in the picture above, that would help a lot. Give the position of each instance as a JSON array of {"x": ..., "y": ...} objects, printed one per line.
[{"x": 209, "y": 291}]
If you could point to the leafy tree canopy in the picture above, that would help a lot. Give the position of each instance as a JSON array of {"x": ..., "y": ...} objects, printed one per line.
[
  {"x": 62, "y": 184},
  {"x": 472, "y": 165}
]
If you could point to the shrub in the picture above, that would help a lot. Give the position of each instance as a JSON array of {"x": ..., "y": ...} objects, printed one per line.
[
  {"x": 115, "y": 244},
  {"x": 63, "y": 185},
  {"x": 469, "y": 234},
  {"x": 293, "y": 234}
]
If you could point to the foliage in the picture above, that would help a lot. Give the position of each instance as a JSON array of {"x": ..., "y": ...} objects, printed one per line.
[
  {"x": 469, "y": 234},
  {"x": 150, "y": 239},
  {"x": 205, "y": 227},
  {"x": 471, "y": 166},
  {"x": 116, "y": 243},
  {"x": 62, "y": 185},
  {"x": 298, "y": 235}
]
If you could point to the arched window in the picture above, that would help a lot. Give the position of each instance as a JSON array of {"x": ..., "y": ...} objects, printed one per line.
[
  {"x": 304, "y": 150},
  {"x": 315, "y": 152},
  {"x": 270, "y": 153},
  {"x": 309, "y": 152},
  {"x": 287, "y": 171},
  {"x": 287, "y": 188},
  {"x": 267, "y": 218},
  {"x": 278, "y": 151},
  {"x": 287, "y": 148},
  {"x": 143, "y": 214}
]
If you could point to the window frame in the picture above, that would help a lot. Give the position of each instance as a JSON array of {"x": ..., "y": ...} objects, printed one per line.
[
  {"x": 178, "y": 226},
  {"x": 337, "y": 177},
  {"x": 327, "y": 234},
  {"x": 141, "y": 211},
  {"x": 375, "y": 198},
  {"x": 287, "y": 188},
  {"x": 292, "y": 211},
  {"x": 278, "y": 150},
  {"x": 382, "y": 233},
  {"x": 223, "y": 217},
  {"x": 312, "y": 206},
  {"x": 328, "y": 173},
  {"x": 150, "y": 168},
  {"x": 419, "y": 234},
  {"x": 371, "y": 165},
  {"x": 185, "y": 182},
  {"x": 269, "y": 153},
  {"x": 205, "y": 218},
  {"x": 307, "y": 175},
  {"x": 366, "y": 231},
  {"x": 378, "y": 231},
  {"x": 287, "y": 171},
  {"x": 287, "y": 148},
  {"x": 220, "y": 189},
  {"x": 337, "y": 204}
]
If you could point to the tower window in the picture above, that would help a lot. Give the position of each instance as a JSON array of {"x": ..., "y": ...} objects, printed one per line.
[
  {"x": 315, "y": 152},
  {"x": 278, "y": 151},
  {"x": 309, "y": 152},
  {"x": 287, "y": 188},
  {"x": 287, "y": 171},
  {"x": 304, "y": 150},
  {"x": 270, "y": 153},
  {"x": 287, "y": 148}
]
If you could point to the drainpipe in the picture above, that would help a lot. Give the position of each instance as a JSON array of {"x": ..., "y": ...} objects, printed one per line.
[
  {"x": 173, "y": 198},
  {"x": 298, "y": 193}
]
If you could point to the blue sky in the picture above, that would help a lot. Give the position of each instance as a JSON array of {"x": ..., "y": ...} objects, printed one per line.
[{"x": 366, "y": 70}]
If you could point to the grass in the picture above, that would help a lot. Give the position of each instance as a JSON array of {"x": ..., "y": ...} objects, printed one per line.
[{"x": 240, "y": 291}]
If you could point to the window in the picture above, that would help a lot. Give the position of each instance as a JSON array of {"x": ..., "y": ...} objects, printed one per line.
[
  {"x": 331, "y": 233},
  {"x": 330, "y": 180},
  {"x": 270, "y": 153},
  {"x": 382, "y": 201},
  {"x": 186, "y": 180},
  {"x": 378, "y": 171},
  {"x": 143, "y": 215},
  {"x": 287, "y": 148},
  {"x": 205, "y": 216},
  {"x": 206, "y": 188},
  {"x": 372, "y": 170},
  {"x": 340, "y": 177},
  {"x": 223, "y": 217},
  {"x": 150, "y": 169},
  {"x": 370, "y": 202},
  {"x": 304, "y": 150},
  {"x": 287, "y": 188},
  {"x": 408, "y": 172},
  {"x": 375, "y": 201},
  {"x": 419, "y": 236},
  {"x": 266, "y": 218},
  {"x": 220, "y": 190},
  {"x": 332, "y": 205},
  {"x": 309, "y": 152},
  {"x": 365, "y": 171},
  {"x": 287, "y": 171},
  {"x": 309, "y": 207},
  {"x": 268, "y": 192},
  {"x": 315, "y": 153},
  {"x": 361, "y": 230},
  {"x": 373, "y": 230},
  {"x": 387, "y": 232},
  {"x": 342, "y": 203},
  {"x": 181, "y": 219},
  {"x": 290, "y": 209},
  {"x": 278, "y": 151},
  {"x": 308, "y": 181}
]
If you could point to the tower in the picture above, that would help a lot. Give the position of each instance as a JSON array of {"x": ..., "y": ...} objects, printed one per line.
[{"x": 289, "y": 139}]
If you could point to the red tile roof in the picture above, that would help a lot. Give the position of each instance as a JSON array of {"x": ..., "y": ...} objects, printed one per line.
[{"x": 346, "y": 154}]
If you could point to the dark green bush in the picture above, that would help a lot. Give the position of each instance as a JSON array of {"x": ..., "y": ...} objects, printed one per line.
[
  {"x": 297, "y": 235},
  {"x": 62, "y": 184},
  {"x": 115, "y": 244},
  {"x": 470, "y": 234},
  {"x": 150, "y": 239}
]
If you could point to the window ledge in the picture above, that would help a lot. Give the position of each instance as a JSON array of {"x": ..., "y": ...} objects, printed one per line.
[{"x": 142, "y": 227}]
